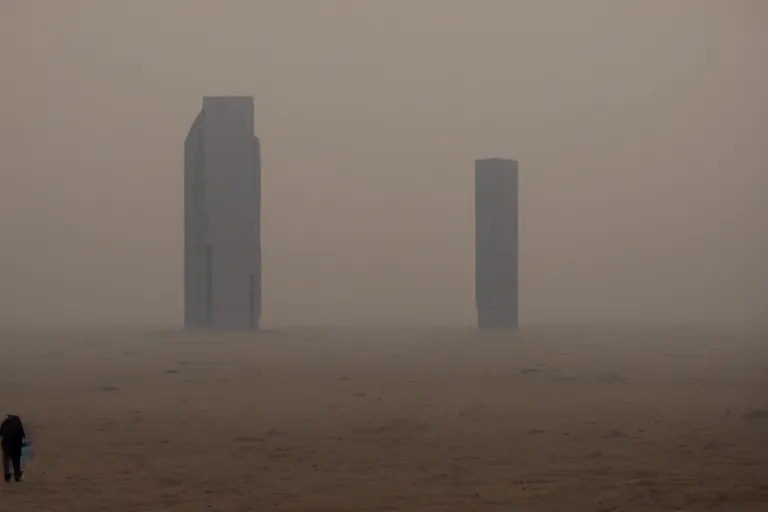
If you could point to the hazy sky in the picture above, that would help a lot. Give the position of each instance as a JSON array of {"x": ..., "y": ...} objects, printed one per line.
[{"x": 640, "y": 127}]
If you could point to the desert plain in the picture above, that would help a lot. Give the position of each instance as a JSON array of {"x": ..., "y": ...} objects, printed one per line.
[{"x": 389, "y": 419}]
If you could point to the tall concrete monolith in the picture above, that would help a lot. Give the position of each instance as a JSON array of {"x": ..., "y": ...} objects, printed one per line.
[
  {"x": 496, "y": 243},
  {"x": 222, "y": 217}
]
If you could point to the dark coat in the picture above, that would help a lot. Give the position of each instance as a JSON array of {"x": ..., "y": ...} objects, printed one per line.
[{"x": 12, "y": 431}]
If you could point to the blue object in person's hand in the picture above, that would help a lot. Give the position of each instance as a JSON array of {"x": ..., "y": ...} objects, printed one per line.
[{"x": 27, "y": 451}]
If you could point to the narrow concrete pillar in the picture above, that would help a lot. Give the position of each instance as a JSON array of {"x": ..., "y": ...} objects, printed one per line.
[{"x": 496, "y": 243}]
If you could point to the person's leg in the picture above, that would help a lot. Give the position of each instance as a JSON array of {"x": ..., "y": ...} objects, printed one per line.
[
  {"x": 16, "y": 459},
  {"x": 6, "y": 465}
]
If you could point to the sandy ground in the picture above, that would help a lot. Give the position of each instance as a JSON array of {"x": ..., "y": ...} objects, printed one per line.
[{"x": 389, "y": 420}]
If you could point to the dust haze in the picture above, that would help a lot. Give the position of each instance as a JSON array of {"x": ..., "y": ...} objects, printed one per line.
[
  {"x": 637, "y": 380},
  {"x": 639, "y": 127}
]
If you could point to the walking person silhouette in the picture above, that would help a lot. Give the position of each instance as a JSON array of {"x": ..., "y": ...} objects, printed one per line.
[{"x": 12, "y": 433}]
